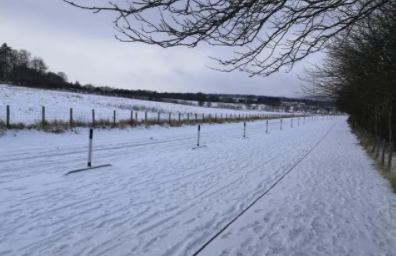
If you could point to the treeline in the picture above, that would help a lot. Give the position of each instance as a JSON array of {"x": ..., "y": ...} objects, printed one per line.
[
  {"x": 19, "y": 67},
  {"x": 359, "y": 72}
]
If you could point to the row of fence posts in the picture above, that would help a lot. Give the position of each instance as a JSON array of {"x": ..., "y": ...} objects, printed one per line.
[
  {"x": 308, "y": 118},
  {"x": 134, "y": 117},
  {"x": 378, "y": 147}
]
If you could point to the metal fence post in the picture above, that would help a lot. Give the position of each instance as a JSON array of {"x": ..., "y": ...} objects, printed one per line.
[
  {"x": 199, "y": 134},
  {"x": 90, "y": 147},
  {"x": 8, "y": 116},
  {"x": 71, "y": 119},
  {"x": 266, "y": 129},
  {"x": 93, "y": 117},
  {"x": 43, "y": 114}
]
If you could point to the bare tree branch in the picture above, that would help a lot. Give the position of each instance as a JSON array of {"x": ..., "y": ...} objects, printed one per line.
[{"x": 273, "y": 34}]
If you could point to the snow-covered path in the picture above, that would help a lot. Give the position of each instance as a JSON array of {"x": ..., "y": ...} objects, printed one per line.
[{"x": 161, "y": 197}]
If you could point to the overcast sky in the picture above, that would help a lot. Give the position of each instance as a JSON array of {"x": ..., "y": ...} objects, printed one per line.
[{"x": 82, "y": 45}]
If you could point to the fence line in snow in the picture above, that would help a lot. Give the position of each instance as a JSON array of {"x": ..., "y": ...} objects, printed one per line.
[{"x": 73, "y": 119}]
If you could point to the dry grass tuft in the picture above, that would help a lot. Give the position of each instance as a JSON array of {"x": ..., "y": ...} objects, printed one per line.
[{"x": 385, "y": 173}]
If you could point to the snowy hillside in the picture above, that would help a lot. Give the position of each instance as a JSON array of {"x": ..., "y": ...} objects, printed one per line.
[{"x": 26, "y": 105}]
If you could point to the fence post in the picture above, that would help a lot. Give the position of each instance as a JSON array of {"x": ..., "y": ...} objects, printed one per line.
[
  {"x": 145, "y": 117},
  {"x": 203, "y": 117},
  {"x": 383, "y": 152},
  {"x": 196, "y": 117},
  {"x": 244, "y": 129},
  {"x": 390, "y": 155},
  {"x": 266, "y": 129},
  {"x": 281, "y": 124},
  {"x": 374, "y": 143},
  {"x": 90, "y": 147},
  {"x": 136, "y": 116},
  {"x": 114, "y": 118},
  {"x": 199, "y": 134},
  {"x": 179, "y": 117},
  {"x": 298, "y": 121},
  {"x": 291, "y": 123},
  {"x": 377, "y": 151},
  {"x": 93, "y": 117},
  {"x": 170, "y": 117},
  {"x": 8, "y": 116},
  {"x": 188, "y": 117},
  {"x": 43, "y": 114},
  {"x": 131, "y": 117},
  {"x": 71, "y": 119}
]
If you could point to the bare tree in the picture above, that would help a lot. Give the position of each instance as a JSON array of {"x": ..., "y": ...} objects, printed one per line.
[
  {"x": 268, "y": 35},
  {"x": 39, "y": 65},
  {"x": 24, "y": 58},
  {"x": 359, "y": 73},
  {"x": 64, "y": 76}
]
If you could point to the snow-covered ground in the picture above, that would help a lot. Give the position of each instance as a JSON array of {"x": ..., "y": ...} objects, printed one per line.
[
  {"x": 315, "y": 192},
  {"x": 26, "y": 106}
]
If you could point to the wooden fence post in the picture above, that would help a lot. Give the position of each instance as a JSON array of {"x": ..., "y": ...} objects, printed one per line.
[
  {"x": 374, "y": 143},
  {"x": 43, "y": 114},
  {"x": 71, "y": 119},
  {"x": 8, "y": 116},
  {"x": 383, "y": 152},
  {"x": 131, "y": 117},
  {"x": 145, "y": 117},
  {"x": 114, "y": 118},
  {"x": 390, "y": 155},
  {"x": 170, "y": 117},
  {"x": 179, "y": 117},
  {"x": 136, "y": 116},
  {"x": 196, "y": 117},
  {"x": 377, "y": 151}
]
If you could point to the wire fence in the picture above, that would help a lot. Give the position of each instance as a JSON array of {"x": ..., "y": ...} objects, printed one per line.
[
  {"x": 381, "y": 149},
  {"x": 12, "y": 116}
]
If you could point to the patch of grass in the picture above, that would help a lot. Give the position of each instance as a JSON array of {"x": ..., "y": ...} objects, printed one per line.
[
  {"x": 391, "y": 177},
  {"x": 384, "y": 172},
  {"x": 59, "y": 126}
]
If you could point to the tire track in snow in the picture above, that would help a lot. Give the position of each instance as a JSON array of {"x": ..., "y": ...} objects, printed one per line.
[{"x": 261, "y": 196}]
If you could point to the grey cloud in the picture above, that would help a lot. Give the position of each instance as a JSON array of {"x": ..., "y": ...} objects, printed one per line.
[{"x": 82, "y": 44}]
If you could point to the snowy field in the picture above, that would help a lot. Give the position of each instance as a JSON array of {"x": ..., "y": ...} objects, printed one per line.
[
  {"x": 26, "y": 106},
  {"x": 307, "y": 190}
]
